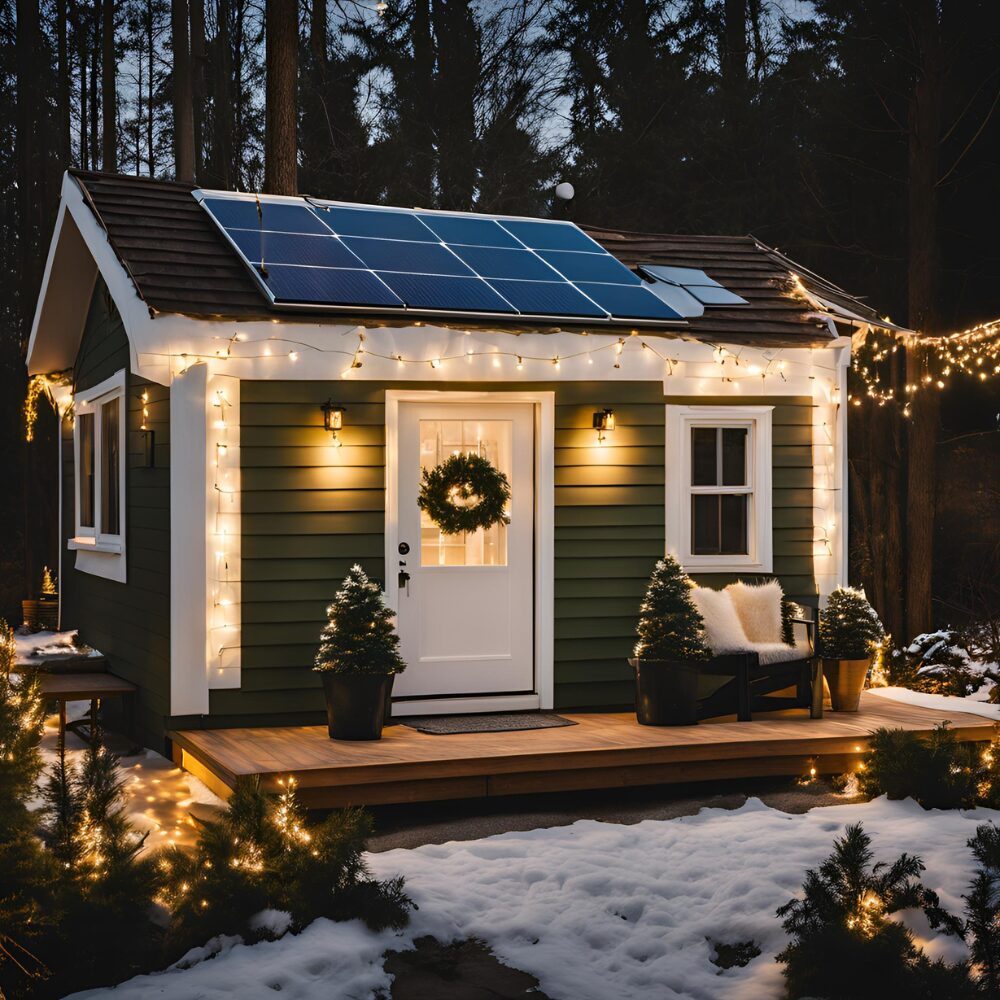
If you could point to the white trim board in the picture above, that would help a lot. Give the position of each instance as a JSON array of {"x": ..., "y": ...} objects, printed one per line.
[{"x": 544, "y": 696}]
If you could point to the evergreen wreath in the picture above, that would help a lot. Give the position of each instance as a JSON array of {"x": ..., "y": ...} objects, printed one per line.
[{"x": 464, "y": 478}]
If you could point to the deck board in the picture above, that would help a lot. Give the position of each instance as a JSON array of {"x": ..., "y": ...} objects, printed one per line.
[{"x": 602, "y": 750}]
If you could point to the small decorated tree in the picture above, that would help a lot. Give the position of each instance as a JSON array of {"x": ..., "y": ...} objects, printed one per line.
[
  {"x": 849, "y": 628},
  {"x": 670, "y": 627},
  {"x": 359, "y": 637}
]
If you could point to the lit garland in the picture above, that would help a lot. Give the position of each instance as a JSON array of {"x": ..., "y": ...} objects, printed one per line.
[
  {"x": 39, "y": 386},
  {"x": 974, "y": 352}
]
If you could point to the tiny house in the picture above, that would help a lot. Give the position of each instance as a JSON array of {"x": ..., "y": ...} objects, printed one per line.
[{"x": 255, "y": 384}]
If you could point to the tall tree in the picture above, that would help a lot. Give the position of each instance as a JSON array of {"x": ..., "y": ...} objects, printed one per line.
[
  {"x": 280, "y": 135},
  {"x": 923, "y": 142},
  {"x": 109, "y": 88},
  {"x": 458, "y": 76},
  {"x": 199, "y": 83},
  {"x": 183, "y": 93}
]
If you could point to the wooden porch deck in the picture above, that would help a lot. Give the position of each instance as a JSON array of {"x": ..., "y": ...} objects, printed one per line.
[{"x": 601, "y": 751}]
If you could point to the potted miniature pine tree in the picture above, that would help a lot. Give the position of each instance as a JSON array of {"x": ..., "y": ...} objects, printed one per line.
[
  {"x": 670, "y": 648},
  {"x": 358, "y": 657},
  {"x": 849, "y": 631}
]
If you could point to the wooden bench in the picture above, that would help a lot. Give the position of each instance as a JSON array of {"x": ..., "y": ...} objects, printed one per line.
[{"x": 94, "y": 688}]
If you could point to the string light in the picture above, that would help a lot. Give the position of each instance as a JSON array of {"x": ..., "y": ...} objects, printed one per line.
[{"x": 974, "y": 352}]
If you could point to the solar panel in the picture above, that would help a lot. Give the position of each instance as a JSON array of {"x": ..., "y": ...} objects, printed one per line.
[
  {"x": 547, "y": 298},
  {"x": 338, "y": 286},
  {"x": 316, "y": 254},
  {"x": 432, "y": 291},
  {"x": 590, "y": 267},
  {"x": 402, "y": 255},
  {"x": 274, "y": 216},
  {"x": 493, "y": 262},
  {"x": 706, "y": 290},
  {"x": 293, "y": 248},
  {"x": 627, "y": 301}
]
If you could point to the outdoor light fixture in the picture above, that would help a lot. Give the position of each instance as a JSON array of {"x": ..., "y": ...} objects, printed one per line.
[
  {"x": 333, "y": 420},
  {"x": 604, "y": 421}
]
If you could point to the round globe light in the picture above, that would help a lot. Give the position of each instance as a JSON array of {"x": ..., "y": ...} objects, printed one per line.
[{"x": 565, "y": 191}]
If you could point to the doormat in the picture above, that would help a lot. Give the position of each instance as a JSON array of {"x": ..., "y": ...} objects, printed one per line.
[{"x": 497, "y": 722}]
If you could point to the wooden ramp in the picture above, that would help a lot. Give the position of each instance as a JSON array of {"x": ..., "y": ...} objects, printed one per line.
[{"x": 602, "y": 751}]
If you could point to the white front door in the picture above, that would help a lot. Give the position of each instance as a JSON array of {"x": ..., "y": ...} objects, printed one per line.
[{"x": 466, "y": 613}]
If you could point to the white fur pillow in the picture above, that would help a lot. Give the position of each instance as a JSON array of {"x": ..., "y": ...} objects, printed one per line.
[
  {"x": 758, "y": 608},
  {"x": 723, "y": 631}
]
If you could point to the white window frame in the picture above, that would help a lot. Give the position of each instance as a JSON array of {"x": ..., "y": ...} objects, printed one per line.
[
  {"x": 100, "y": 553},
  {"x": 679, "y": 422}
]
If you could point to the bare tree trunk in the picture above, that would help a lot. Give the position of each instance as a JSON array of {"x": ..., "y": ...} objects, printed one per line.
[
  {"x": 62, "y": 81},
  {"x": 318, "y": 37},
  {"x": 95, "y": 99},
  {"x": 183, "y": 110},
  {"x": 924, "y": 138},
  {"x": 280, "y": 141},
  {"x": 223, "y": 97},
  {"x": 109, "y": 89},
  {"x": 422, "y": 172},
  {"x": 150, "y": 84},
  {"x": 198, "y": 82},
  {"x": 81, "y": 50}
]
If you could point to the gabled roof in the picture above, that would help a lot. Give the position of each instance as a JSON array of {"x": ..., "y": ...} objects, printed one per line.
[{"x": 180, "y": 263}]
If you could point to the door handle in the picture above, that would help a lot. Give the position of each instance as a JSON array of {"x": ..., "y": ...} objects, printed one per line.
[{"x": 403, "y": 579}]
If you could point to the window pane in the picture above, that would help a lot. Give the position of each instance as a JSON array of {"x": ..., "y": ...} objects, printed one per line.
[
  {"x": 704, "y": 466},
  {"x": 704, "y": 524},
  {"x": 110, "y": 467},
  {"x": 85, "y": 473},
  {"x": 733, "y": 525},
  {"x": 734, "y": 456},
  {"x": 439, "y": 440}
]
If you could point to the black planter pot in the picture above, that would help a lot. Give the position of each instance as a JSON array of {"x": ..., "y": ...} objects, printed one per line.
[
  {"x": 357, "y": 705},
  {"x": 666, "y": 692}
]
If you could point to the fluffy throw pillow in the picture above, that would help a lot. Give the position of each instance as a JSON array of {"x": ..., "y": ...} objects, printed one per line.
[
  {"x": 723, "y": 631},
  {"x": 759, "y": 609}
]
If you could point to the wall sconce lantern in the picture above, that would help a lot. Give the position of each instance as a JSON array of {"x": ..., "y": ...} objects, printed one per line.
[
  {"x": 333, "y": 420},
  {"x": 604, "y": 422}
]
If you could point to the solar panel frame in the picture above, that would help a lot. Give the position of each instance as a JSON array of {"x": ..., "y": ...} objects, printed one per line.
[{"x": 465, "y": 305}]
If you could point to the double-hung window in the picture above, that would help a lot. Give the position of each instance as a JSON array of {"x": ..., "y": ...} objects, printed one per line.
[
  {"x": 718, "y": 481},
  {"x": 99, "y": 462}
]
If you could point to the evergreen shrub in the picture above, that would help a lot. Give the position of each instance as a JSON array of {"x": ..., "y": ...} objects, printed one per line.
[
  {"x": 360, "y": 636},
  {"x": 670, "y": 626}
]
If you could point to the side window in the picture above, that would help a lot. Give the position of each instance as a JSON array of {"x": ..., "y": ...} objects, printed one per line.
[{"x": 99, "y": 452}]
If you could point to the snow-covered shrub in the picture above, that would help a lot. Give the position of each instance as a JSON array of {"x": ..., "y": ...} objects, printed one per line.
[
  {"x": 937, "y": 770},
  {"x": 940, "y": 663},
  {"x": 844, "y": 944}
]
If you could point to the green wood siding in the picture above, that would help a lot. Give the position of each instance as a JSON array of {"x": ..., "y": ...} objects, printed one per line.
[
  {"x": 130, "y": 622},
  {"x": 309, "y": 513}
]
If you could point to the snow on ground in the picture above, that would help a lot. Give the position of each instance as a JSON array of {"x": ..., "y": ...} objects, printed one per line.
[
  {"x": 159, "y": 795},
  {"x": 597, "y": 910},
  {"x": 972, "y": 704}
]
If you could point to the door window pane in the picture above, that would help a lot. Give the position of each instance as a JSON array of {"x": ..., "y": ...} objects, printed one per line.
[
  {"x": 734, "y": 456},
  {"x": 85, "y": 472},
  {"x": 439, "y": 439},
  {"x": 704, "y": 462},
  {"x": 110, "y": 467}
]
